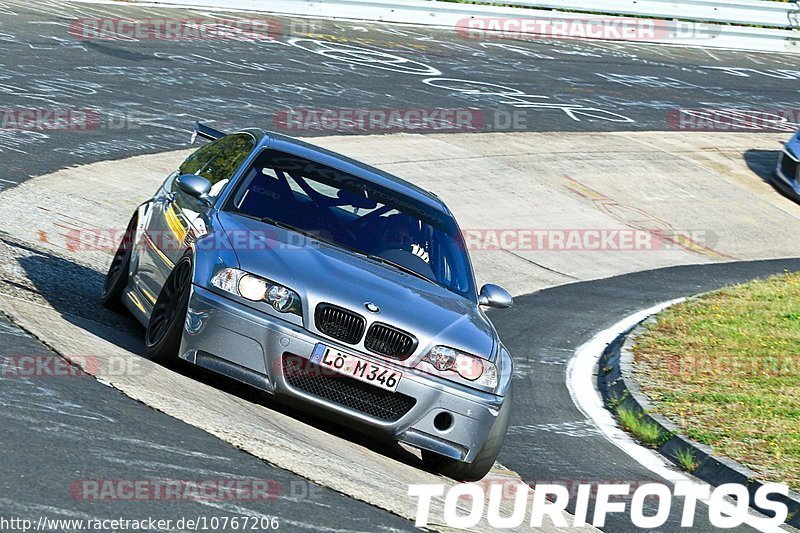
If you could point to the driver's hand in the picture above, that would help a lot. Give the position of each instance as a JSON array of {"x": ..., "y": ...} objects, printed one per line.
[{"x": 420, "y": 252}]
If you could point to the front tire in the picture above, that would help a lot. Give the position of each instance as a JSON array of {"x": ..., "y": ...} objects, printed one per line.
[
  {"x": 165, "y": 328},
  {"x": 486, "y": 457},
  {"x": 119, "y": 270}
]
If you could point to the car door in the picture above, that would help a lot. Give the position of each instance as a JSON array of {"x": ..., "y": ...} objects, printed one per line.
[{"x": 177, "y": 217}]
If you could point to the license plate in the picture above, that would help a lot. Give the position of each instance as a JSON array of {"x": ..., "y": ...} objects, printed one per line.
[{"x": 356, "y": 367}]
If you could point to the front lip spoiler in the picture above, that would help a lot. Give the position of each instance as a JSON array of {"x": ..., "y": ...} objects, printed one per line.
[
  {"x": 232, "y": 370},
  {"x": 433, "y": 444}
]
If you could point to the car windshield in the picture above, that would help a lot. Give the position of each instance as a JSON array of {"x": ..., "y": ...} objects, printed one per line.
[{"x": 350, "y": 212}]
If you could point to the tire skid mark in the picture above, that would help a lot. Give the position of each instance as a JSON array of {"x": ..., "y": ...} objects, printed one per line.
[{"x": 637, "y": 218}]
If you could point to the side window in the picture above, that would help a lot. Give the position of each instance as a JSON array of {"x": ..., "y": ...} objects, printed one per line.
[{"x": 218, "y": 160}]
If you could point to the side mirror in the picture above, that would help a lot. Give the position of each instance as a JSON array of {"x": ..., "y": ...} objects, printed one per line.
[
  {"x": 195, "y": 186},
  {"x": 494, "y": 296}
]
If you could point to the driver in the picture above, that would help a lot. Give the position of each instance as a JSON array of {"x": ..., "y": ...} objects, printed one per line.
[{"x": 397, "y": 234}]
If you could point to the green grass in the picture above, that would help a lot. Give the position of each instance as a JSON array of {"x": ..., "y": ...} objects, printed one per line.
[
  {"x": 644, "y": 430},
  {"x": 726, "y": 369},
  {"x": 686, "y": 459}
]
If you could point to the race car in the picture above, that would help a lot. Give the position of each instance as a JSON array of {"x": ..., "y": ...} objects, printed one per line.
[
  {"x": 787, "y": 174},
  {"x": 324, "y": 281}
]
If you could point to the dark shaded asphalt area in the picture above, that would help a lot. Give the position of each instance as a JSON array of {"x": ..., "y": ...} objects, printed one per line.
[
  {"x": 67, "y": 440},
  {"x": 145, "y": 94},
  {"x": 550, "y": 440}
]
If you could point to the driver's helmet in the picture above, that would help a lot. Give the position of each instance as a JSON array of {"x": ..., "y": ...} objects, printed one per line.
[
  {"x": 397, "y": 233},
  {"x": 400, "y": 232}
]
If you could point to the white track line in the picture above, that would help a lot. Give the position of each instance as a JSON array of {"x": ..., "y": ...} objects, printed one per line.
[{"x": 582, "y": 387}]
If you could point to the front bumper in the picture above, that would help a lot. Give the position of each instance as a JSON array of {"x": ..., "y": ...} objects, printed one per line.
[
  {"x": 788, "y": 173},
  {"x": 228, "y": 337}
]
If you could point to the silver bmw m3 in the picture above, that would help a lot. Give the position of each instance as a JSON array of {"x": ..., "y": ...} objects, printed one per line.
[
  {"x": 312, "y": 276},
  {"x": 787, "y": 173}
]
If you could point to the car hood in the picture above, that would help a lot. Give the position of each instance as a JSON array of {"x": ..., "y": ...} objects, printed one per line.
[{"x": 319, "y": 272}]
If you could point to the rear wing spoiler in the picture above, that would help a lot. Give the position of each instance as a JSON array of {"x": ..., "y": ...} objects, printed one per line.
[{"x": 201, "y": 130}]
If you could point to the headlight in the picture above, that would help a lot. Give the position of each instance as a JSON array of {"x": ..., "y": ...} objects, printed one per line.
[
  {"x": 256, "y": 289},
  {"x": 283, "y": 299},
  {"x": 469, "y": 367},
  {"x": 252, "y": 288}
]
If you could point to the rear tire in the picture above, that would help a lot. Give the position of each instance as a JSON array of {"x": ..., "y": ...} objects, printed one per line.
[
  {"x": 119, "y": 270},
  {"x": 165, "y": 327},
  {"x": 486, "y": 457}
]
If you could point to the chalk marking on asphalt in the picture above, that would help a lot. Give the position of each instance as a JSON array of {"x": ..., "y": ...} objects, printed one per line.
[
  {"x": 715, "y": 58},
  {"x": 581, "y": 382}
]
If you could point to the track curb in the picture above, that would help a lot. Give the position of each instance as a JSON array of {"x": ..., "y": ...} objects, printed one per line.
[{"x": 617, "y": 384}]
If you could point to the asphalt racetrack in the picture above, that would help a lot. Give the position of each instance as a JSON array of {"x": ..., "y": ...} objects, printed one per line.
[
  {"x": 147, "y": 91},
  {"x": 606, "y": 117}
]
